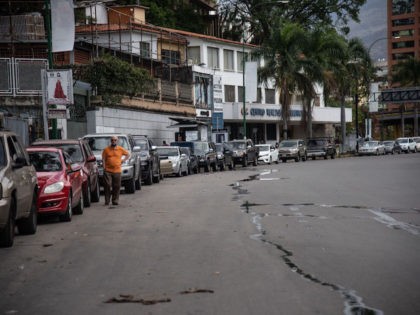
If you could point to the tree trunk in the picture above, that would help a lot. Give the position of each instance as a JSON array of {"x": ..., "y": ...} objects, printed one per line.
[{"x": 343, "y": 122}]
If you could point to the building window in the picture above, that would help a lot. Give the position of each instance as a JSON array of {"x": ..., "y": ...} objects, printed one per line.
[
  {"x": 239, "y": 60},
  {"x": 402, "y": 7},
  {"x": 271, "y": 132},
  {"x": 228, "y": 60},
  {"x": 259, "y": 97},
  {"x": 402, "y": 56},
  {"x": 401, "y": 22},
  {"x": 240, "y": 94},
  {"x": 403, "y": 44},
  {"x": 270, "y": 96},
  {"x": 194, "y": 55},
  {"x": 402, "y": 33},
  {"x": 171, "y": 56},
  {"x": 229, "y": 93},
  {"x": 145, "y": 50},
  {"x": 213, "y": 58}
]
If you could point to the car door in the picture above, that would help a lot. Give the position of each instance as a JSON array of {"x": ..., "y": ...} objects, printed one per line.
[
  {"x": 23, "y": 177},
  {"x": 75, "y": 178},
  {"x": 91, "y": 165}
]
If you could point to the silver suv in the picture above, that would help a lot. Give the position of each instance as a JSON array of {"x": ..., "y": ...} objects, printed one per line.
[
  {"x": 131, "y": 169},
  {"x": 18, "y": 190},
  {"x": 293, "y": 149}
]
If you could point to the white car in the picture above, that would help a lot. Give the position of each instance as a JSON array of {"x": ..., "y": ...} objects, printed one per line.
[
  {"x": 178, "y": 160},
  {"x": 267, "y": 153},
  {"x": 417, "y": 140},
  {"x": 407, "y": 144},
  {"x": 372, "y": 148}
]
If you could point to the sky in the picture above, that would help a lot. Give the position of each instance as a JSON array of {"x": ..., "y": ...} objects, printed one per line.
[{"x": 372, "y": 27}]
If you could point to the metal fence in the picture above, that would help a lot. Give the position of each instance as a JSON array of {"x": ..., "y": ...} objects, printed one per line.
[{"x": 22, "y": 76}]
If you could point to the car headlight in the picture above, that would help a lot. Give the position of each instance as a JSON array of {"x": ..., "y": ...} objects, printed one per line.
[{"x": 53, "y": 188}]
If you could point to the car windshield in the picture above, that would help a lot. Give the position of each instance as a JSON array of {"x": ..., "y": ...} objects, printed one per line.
[
  {"x": 264, "y": 147},
  {"x": 141, "y": 143},
  {"x": 201, "y": 148},
  {"x": 168, "y": 151},
  {"x": 402, "y": 140},
  {"x": 2, "y": 155},
  {"x": 388, "y": 143},
  {"x": 73, "y": 150},
  {"x": 45, "y": 161},
  {"x": 100, "y": 143},
  {"x": 288, "y": 144},
  {"x": 219, "y": 147},
  {"x": 238, "y": 145},
  {"x": 371, "y": 144},
  {"x": 313, "y": 142}
]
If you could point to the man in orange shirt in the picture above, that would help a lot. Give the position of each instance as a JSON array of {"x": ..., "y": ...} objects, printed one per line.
[{"x": 113, "y": 156}]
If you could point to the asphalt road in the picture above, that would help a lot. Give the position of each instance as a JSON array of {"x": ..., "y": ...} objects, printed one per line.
[{"x": 318, "y": 237}]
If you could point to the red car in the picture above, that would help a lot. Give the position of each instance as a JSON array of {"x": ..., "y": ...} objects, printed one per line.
[
  {"x": 60, "y": 182},
  {"x": 80, "y": 153}
]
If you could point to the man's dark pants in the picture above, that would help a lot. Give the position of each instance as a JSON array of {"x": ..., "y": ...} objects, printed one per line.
[{"x": 112, "y": 183}]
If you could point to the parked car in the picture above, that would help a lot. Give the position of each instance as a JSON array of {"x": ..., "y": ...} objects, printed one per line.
[
  {"x": 320, "y": 147},
  {"x": 150, "y": 163},
  {"x": 193, "y": 164},
  {"x": 60, "y": 182},
  {"x": 18, "y": 190},
  {"x": 131, "y": 168},
  {"x": 372, "y": 148},
  {"x": 206, "y": 155},
  {"x": 268, "y": 153},
  {"x": 80, "y": 153},
  {"x": 407, "y": 144},
  {"x": 417, "y": 140},
  {"x": 391, "y": 146},
  {"x": 294, "y": 149},
  {"x": 244, "y": 152},
  {"x": 224, "y": 156},
  {"x": 192, "y": 160},
  {"x": 178, "y": 160}
]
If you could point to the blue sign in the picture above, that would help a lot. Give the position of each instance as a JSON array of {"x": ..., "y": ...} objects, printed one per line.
[{"x": 217, "y": 121}]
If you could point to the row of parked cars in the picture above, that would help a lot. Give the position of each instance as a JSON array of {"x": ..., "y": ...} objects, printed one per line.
[{"x": 400, "y": 145}]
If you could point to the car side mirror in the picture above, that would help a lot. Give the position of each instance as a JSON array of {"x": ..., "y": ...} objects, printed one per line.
[
  {"x": 19, "y": 162},
  {"x": 74, "y": 167},
  {"x": 91, "y": 158}
]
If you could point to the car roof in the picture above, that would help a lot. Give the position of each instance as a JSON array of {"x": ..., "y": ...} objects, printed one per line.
[
  {"x": 40, "y": 148},
  {"x": 57, "y": 141}
]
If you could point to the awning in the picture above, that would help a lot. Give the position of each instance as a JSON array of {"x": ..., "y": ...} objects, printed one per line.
[{"x": 187, "y": 122}]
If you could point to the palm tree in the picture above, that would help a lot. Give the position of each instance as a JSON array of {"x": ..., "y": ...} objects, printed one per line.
[
  {"x": 282, "y": 53},
  {"x": 349, "y": 75},
  {"x": 407, "y": 73}
]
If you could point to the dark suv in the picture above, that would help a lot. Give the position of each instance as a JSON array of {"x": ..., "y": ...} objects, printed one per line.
[
  {"x": 18, "y": 190},
  {"x": 244, "y": 152},
  {"x": 204, "y": 151},
  {"x": 80, "y": 153},
  {"x": 322, "y": 147},
  {"x": 149, "y": 157}
]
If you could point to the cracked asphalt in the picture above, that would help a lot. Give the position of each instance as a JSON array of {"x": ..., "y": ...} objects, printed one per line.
[{"x": 318, "y": 237}]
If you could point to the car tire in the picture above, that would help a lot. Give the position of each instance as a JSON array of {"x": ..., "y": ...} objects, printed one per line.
[
  {"x": 28, "y": 225},
  {"x": 304, "y": 158},
  {"x": 149, "y": 179},
  {"x": 96, "y": 194},
  {"x": 156, "y": 178},
  {"x": 245, "y": 161},
  {"x": 255, "y": 161},
  {"x": 207, "y": 167},
  {"x": 7, "y": 234},
  {"x": 137, "y": 182},
  {"x": 67, "y": 216},
  {"x": 333, "y": 156},
  {"x": 284, "y": 160},
  {"x": 222, "y": 166},
  {"x": 297, "y": 158},
  {"x": 130, "y": 186},
  {"x": 80, "y": 206},
  {"x": 87, "y": 195}
]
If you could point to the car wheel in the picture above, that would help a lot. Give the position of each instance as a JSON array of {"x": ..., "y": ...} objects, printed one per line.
[
  {"x": 284, "y": 160},
  {"x": 28, "y": 225},
  {"x": 80, "y": 206},
  {"x": 333, "y": 156},
  {"x": 130, "y": 186},
  {"x": 156, "y": 178},
  {"x": 87, "y": 195},
  {"x": 7, "y": 234},
  {"x": 377, "y": 152},
  {"x": 185, "y": 173},
  {"x": 245, "y": 161},
  {"x": 304, "y": 158},
  {"x": 297, "y": 158},
  {"x": 66, "y": 217},
  {"x": 207, "y": 167},
  {"x": 149, "y": 179},
  {"x": 96, "y": 193},
  {"x": 137, "y": 182},
  {"x": 255, "y": 161},
  {"x": 222, "y": 165}
]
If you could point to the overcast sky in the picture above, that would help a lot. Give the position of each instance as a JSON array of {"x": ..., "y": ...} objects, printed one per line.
[{"x": 372, "y": 26}]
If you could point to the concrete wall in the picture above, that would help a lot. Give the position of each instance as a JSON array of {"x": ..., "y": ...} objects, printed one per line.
[{"x": 154, "y": 125}]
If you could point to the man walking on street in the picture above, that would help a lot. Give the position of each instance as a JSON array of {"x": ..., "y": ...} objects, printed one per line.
[{"x": 113, "y": 156}]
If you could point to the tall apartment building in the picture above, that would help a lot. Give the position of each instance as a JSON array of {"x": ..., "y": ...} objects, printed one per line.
[{"x": 403, "y": 30}]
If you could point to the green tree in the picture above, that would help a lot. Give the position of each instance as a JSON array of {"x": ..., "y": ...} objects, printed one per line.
[
  {"x": 283, "y": 62},
  {"x": 407, "y": 73},
  {"x": 113, "y": 78}
]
